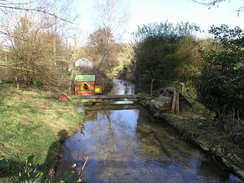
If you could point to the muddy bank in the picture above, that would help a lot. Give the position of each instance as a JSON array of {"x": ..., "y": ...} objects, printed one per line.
[{"x": 198, "y": 128}]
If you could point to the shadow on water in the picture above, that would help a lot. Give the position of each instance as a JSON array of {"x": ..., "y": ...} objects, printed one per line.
[{"x": 127, "y": 145}]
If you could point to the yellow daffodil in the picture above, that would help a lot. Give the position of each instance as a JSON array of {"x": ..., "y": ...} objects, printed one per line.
[
  {"x": 78, "y": 180},
  {"x": 61, "y": 181}
]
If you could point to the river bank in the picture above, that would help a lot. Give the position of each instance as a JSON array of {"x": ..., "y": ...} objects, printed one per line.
[
  {"x": 197, "y": 126},
  {"x": 33, "y": 122}
]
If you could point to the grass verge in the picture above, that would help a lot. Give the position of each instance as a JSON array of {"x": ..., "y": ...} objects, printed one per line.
[{"x": 33, "y": 122}]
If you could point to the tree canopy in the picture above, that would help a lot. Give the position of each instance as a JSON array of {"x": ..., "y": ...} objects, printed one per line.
[{"x": 159, "y": 54}]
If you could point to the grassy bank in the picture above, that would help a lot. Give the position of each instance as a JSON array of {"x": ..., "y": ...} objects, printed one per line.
[
  {"x": 204, "y": 131},
  {"x": 32, "y": 122},
  {"x": 199, "y": 127}
]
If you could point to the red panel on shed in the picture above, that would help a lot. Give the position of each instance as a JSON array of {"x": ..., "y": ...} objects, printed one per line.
[{"x": 84, "y": 87}]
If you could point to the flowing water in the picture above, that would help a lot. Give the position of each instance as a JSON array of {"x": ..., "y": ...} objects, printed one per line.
[{"x": 128, "y": 146}]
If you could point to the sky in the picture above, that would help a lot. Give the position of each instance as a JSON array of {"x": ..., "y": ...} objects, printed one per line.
[{"x": 141, "y": 12}]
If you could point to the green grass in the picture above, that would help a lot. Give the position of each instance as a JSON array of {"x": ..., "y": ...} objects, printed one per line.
[{"x": 31, "y": 121}]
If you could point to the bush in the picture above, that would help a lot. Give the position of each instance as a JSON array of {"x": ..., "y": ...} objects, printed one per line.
[
  {"x": 32, "y": 60},
  {"x": 164, "y": 55},
  {"x": 221, "y": 83}
]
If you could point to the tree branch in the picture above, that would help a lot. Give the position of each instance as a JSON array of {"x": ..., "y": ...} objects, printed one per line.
[
  {"x": 210, "y": 3},
  {"x": 4, "y": 6}
]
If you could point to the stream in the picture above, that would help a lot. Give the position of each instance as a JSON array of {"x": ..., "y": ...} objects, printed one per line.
[{"x": 129, "y": 146}]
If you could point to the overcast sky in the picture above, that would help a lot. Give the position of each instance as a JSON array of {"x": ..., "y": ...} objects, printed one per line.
[{"x": 149, "y": 11}]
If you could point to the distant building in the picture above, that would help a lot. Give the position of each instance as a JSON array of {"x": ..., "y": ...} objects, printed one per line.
[{"x": 83, "y": 62}]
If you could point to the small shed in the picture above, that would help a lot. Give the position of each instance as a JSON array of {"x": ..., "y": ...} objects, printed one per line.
[{"x": 84, "y": 84}]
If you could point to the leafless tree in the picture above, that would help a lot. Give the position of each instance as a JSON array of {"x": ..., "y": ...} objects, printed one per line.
[
  {"x": 52, "y": 15},
  {"x": 39, "y": 6},
  {"x": 33, "y": 33},
  {"x": 112, "y": 14},
  {"x": 109, "y": 18},
  {"x": 103, "y": 49},
  {"x": 31, "y": 56}
]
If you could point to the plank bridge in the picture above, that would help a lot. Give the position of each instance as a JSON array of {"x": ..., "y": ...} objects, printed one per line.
[{"x": 111, "y": 97}]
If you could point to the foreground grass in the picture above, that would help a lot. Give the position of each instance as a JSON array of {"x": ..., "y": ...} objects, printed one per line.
[{"x": 31, "y": 123}]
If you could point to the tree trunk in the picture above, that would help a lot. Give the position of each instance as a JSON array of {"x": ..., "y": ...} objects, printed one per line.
[{"x": 17, "y": 83}]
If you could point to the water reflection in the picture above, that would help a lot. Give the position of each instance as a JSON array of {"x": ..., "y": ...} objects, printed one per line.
[
  {"x": 128, "y": 146},
  {"x": 122, "y": 88}
]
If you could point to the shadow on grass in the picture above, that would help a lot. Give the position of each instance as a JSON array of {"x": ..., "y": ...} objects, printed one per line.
[
  {"x": 29, "y": 170},
  {"x": 9, "y": 167},
  {"x": 53, "y": 156}
]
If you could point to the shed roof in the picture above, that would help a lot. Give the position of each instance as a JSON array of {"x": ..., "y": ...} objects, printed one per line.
[{"x": 85, "y": 78}]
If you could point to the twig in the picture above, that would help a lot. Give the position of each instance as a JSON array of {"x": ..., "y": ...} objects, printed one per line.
[
  {"x": 16, "y": 68},
  {"x": 86, "y": 159},
  {"x": 83, "y": 167},
  {"x": 35, "y": 10}
]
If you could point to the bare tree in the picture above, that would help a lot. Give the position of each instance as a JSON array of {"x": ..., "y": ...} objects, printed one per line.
[
  {"x": 112, "y": 14},
  {"x": 52, "y": 15},
  {"x": 110, "y": 18},
  {"x": 33, "y": 33},
  {"x": 31, "y": 55},
  {"x": 38, "y": 6},
  {"x": 103, "y": 49}
]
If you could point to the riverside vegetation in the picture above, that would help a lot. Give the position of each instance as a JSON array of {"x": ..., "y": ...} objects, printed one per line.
[
  {"x": 208, "y": 71},
  {"x": 211, "y": 71}
]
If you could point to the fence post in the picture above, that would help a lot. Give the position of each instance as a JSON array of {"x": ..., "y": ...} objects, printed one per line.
[{"x": 151, "y": 86}]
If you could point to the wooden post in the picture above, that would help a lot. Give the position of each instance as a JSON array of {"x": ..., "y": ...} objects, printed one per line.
[
  {"x": 173, "y": 101},
  {"x": 177, "y": 103}
]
